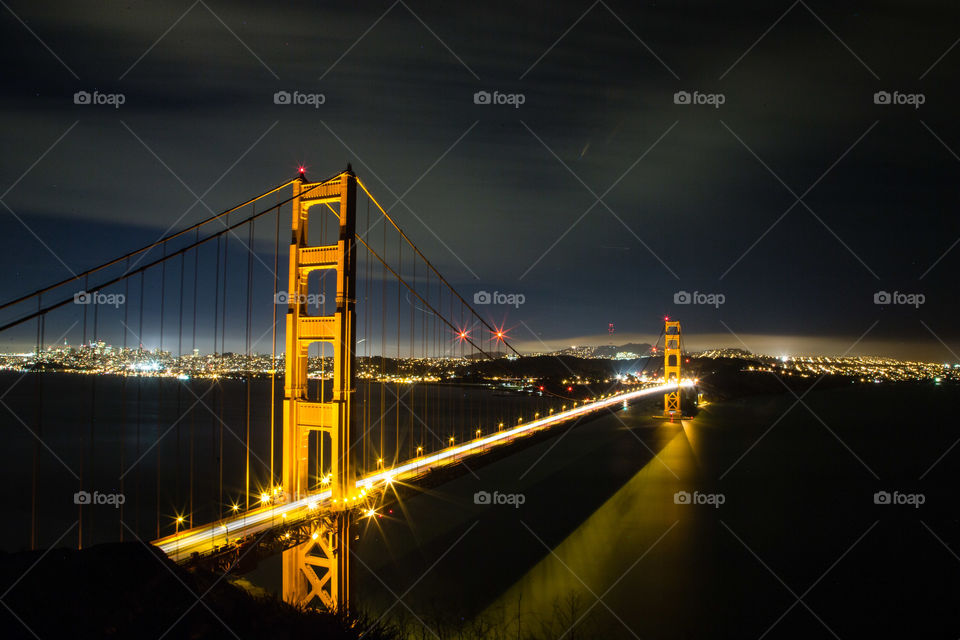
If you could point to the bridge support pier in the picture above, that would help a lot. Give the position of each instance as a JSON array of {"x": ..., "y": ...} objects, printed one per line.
[{"x": 319, "y": 568}]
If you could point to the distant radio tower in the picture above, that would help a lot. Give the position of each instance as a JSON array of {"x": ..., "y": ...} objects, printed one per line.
[{"x": 610, "y": 331}]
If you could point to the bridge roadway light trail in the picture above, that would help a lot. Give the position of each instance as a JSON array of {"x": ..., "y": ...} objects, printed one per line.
[{"x": 206, "y": 538}]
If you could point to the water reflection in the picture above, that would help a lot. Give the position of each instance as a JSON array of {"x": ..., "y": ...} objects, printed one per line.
[{"x": 609, "y": 554}]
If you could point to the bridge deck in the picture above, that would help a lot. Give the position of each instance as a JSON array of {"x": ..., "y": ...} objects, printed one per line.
[{"x": 208, "y": 538}]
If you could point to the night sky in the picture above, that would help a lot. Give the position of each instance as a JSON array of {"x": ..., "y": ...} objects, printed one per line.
[{"x": 798, "y": 198}]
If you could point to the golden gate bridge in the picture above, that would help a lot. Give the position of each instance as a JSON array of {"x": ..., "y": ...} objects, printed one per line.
[{"x": 362, "y": 304}]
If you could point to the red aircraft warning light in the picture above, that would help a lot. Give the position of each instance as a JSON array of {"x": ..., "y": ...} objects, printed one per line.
[{"x": 500, "y": 334}]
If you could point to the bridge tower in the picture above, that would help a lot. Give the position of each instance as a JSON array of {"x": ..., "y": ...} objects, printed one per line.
[
  {"x": 671, "y": 367},
  {"x": 319, "y": 568}
]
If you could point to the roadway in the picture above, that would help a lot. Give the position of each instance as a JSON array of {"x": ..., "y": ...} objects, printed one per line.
[{"x": 206, "y": 538}]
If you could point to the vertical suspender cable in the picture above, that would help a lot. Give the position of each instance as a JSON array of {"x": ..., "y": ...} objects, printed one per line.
[
  {"x": 83, "y": 447},
  {"x": 177, "y": 467},
  {"x": 213, "y": 423},
  {"x": 193, "y": 349},
  {"x": 163, "y": 300},
  {"x": 223, "y": 350},
  {"x": 123, "y": 395},
  {"x": 273, "y": 344},
  {"x": 247, "y": 350},
  {"x": 138, "y": 509},
  {"x": 38, "y": 391}
]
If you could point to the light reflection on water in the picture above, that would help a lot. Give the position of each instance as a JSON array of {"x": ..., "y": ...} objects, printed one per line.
[{"x": 604, "y": 556}]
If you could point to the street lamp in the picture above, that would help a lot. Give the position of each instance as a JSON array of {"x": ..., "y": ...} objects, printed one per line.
[{"x": 236, "y": 507}]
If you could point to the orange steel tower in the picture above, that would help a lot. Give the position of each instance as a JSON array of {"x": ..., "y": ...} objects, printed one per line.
[
  {"x": 320, "y": 568},
  {"x": 671, "y": 367}
]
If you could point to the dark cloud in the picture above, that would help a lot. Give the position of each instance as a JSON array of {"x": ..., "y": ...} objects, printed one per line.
[{"x": 400, "y": 95}]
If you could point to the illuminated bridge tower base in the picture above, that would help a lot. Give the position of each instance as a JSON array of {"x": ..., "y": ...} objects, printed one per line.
[
  {"x": 671, "y": 368},
  {"x": 319, "y": 568}
]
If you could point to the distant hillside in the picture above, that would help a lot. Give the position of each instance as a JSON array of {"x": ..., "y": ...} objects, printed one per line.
[{"x": 610, "y": 351}]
